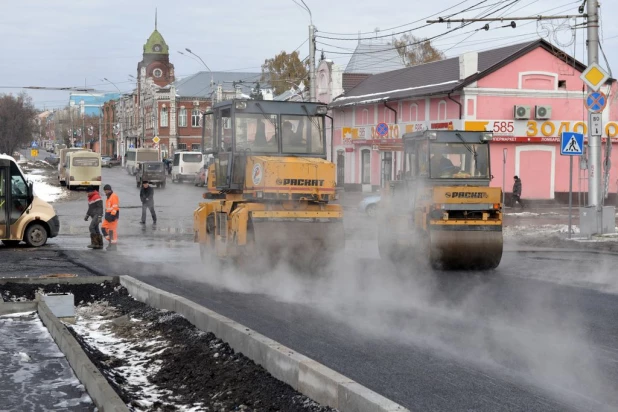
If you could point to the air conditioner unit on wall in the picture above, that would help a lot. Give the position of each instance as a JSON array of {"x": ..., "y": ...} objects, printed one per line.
[
  {"x": 521, "y": 112},
  {"x": 542, "y": 112}
]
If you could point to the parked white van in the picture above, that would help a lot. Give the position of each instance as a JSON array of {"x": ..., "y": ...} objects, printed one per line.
[
  {"x": 186, "y": 165},
  {"x": 82, "y": 169}
]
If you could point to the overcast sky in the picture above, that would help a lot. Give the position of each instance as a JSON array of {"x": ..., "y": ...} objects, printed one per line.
[{"x": 77, "y": 42}]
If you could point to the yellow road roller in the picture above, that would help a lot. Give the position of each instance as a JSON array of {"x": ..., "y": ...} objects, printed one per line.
[
  {"x": 441, "y": 209},
  {"x": 270, "y": 187}
]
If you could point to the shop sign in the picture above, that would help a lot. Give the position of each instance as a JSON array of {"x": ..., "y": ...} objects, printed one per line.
[
  {"x": 441, "y": 126},
  {"x": 551, "y": 129}
]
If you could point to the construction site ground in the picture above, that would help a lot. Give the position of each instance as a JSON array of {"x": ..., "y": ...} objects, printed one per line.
[{"x": 157, "y": 361}]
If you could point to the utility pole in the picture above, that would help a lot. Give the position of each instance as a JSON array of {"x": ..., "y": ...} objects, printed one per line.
[
  {"x": 312, "y": 62},
  {"x": 311, "y": 51},
  {"x": 594, "y": 142}
]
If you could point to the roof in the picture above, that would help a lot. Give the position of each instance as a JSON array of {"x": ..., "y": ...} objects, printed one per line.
[
  {"x": 154, "y": 39},
  {"x": 199, "y": 84},
  {"x": 372, "y": 58},
  {"x": 439, "y": 77},
  {"x": 351, "y": 80}
]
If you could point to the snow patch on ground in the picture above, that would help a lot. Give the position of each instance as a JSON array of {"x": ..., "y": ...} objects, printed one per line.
[
  {"x": 96, "y": 325},
  {"x": 43, "y": 189}
]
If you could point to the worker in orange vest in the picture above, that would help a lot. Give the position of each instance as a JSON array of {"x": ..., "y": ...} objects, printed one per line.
[{"x": 110, "y": 222}]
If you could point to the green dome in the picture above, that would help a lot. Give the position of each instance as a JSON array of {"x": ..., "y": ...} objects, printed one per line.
[{"x": 156, "y": 44}]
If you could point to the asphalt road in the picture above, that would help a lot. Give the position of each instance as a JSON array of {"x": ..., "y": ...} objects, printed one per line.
[{"x": 536, "y": 335}]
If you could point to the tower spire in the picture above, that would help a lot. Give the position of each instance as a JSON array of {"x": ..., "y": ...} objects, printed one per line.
[{"x": 155, "y": 18}]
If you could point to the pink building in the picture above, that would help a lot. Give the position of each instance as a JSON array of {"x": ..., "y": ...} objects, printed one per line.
[{"x": 527, "y": 94}]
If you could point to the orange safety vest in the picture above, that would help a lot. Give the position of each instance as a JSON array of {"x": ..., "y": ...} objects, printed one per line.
[{"x": 112, "y": 205}]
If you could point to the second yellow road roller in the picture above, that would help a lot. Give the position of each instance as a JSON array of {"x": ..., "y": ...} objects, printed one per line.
[{"x": 442, "y": 209}]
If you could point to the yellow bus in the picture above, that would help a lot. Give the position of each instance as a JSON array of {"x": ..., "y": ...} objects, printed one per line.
[
  {"x": 62, "y": 156},
  {"x": 82, "y": 169}
]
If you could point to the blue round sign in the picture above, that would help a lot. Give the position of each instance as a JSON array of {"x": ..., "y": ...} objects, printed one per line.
[
  {"x": 596, "y": 102},
  {"x": 382, "y": 129}
]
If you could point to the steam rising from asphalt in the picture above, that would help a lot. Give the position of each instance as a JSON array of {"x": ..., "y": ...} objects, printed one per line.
[{"x": 518, "y": 327}]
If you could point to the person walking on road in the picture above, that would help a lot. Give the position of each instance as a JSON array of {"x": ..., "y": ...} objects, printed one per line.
[
  {"x": 146, "y": 195},
  {"x": 112, "y": 214},
  {"x": 95, "y": 211},
  {"x": 517, "y": 192}
]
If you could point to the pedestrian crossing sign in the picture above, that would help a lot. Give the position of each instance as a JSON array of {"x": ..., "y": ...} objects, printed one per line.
[{"x": 572, "y": 144}]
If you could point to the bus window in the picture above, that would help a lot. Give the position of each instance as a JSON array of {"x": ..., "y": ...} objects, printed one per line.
[
  {"x": 19, "y": 194},
  {"x": 85, "y": 162}
]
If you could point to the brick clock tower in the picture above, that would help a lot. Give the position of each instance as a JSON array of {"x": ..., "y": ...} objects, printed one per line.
[{"x": 155, "y": 62}]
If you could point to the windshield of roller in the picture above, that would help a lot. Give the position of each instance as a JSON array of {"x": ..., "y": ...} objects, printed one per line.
[{"x": 459, "y": 160}]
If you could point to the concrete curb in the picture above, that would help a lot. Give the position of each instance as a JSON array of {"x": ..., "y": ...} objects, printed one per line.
[
  {"x": 8, "y": 308},
  {"x": 559, "y": 250},
  {"x": 310, "y": 378},
  {"x": 78, "y": 280},
  {"x": 104, "y": 397}
]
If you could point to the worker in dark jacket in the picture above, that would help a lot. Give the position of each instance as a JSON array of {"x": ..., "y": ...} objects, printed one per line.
[
  {"x": 95, "y": 211},
  {"x": 517, "y": 192},
  {"x": 146, "y": 195}
]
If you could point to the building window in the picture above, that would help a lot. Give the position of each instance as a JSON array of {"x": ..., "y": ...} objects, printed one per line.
[
  {"x": 364, "y": 117},
  {"x": 442, "y": 110},
  {"x": 366, "y": 166},
  {"x": 164, "y": 117},
  {"x": 414, "y": 112},
  {"x": 195, "y": 118},
  {"x": 157, "y": 72},
  {"x": 387, "y": 116},
  {"x": 182, "y": 117},
  {"x": 195, "y": 147},
  {"x": 562, "y": 84},
  {"x": 182, "y": 146}
]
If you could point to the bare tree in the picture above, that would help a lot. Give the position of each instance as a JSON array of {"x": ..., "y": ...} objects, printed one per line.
[
  {"x": 17, "y": 123},
  {"x": 414, "y": 50}
]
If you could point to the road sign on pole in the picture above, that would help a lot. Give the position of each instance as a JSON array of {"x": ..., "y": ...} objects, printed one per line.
[
  {"x": 596, "y": 124},
  {"x": 156, "y": 139},
  {"x": 382, "y": 129},
  {"x": 596, "y": 102},
  {"x": 34, "y": 152},
  {"x": 572, "y": 144},
  {"x": 594, "y": 76}
]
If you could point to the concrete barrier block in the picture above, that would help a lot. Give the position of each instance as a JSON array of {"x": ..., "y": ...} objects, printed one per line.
[
  {"x": 283, "y": 363},
  {"x": 354, "y": 397},
  {"x": 320, "y": 383},
  {"x": 137, "y": 289},
  {"x": 187, "y": 309},
  {"x": 167, "y": 301}
]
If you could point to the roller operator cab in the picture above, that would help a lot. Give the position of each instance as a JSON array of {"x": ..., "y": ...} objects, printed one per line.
[
  {"x": 441, "y": 209},
  {"x": 23, "y": 215},
  {"x": 270, "y": 187}
]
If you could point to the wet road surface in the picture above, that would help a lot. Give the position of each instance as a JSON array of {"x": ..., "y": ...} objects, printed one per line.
[
  {"x": 536, "y": 335},
  {"x": 34, "y": 374}
]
